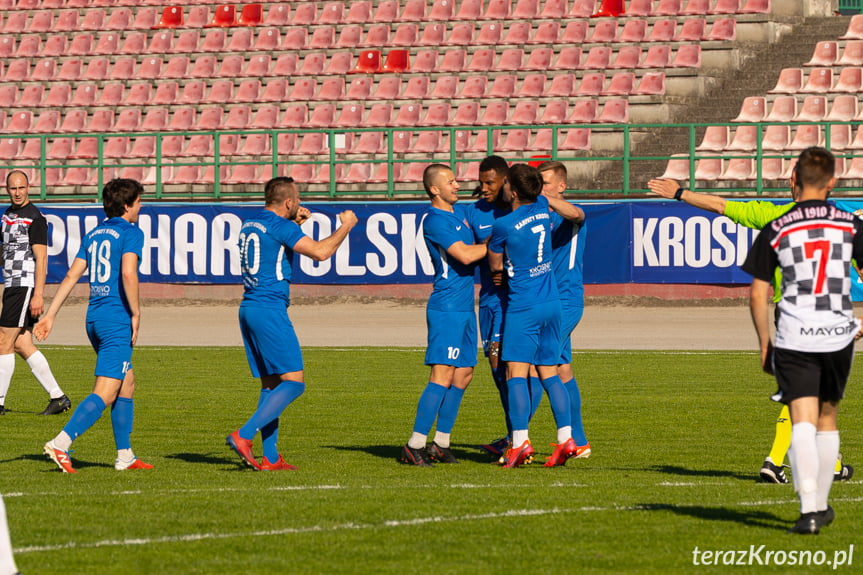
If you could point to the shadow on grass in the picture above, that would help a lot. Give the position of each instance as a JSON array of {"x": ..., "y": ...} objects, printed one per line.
[
  {"x": 461, "y": 452},
  {"x": 684, "y": 472},
  {"x": 206, "y": 458},
  {"x": 51, "y": 466},
  {"x": 753, "y": 518}
]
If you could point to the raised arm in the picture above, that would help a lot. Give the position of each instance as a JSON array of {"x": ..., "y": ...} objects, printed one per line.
[
  {"x": 43, "y": 328},
  {"x": 129, "y": 267},
  {"x": 320, "y": 250},
  {"x": 566, "y": 210},
  {"x": 668, "y": 189}
]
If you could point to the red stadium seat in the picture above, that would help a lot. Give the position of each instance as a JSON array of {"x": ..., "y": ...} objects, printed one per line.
[
  {"x": 368, "y": 62},
  {"x": 397, "y": 61},
  {"x": 172, "y": 17},
  {"x": 224, "y": 16},
  {"x": 251, "y": 15}
]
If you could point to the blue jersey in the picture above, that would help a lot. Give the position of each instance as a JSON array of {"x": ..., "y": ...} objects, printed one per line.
[
  {"x": 481, "y": 216},
  {"x": 567, "y": 246},
  {"x": 453, "y": 280},
  {"x": 266, "y": 253},
  {"x": 524, "y": 239},
  {"x": 103, "y": 249}
]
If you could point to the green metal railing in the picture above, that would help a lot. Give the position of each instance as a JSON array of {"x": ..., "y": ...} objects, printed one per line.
[
  {"x": 850, "y": 6},
  {"x": 616, "y": 173}
]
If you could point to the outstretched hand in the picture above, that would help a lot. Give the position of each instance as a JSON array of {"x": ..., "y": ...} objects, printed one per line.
[{"x": 664, "y": 188}]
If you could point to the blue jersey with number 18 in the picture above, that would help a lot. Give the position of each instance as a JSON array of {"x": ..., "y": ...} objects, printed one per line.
[
  {"x": 266, "y": 253},
  {"x": 103, "y": 249}
]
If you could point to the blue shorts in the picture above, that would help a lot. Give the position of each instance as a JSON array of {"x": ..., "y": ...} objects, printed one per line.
[
  {"x": 533, "y": 335},
  {"x": 490, "y": 321},
  {"x": 272, "y": 347},
  {"x": 113, "y": 345},
  {"x": 451, "y": 338},
  {"x": 569, "y": 318}
]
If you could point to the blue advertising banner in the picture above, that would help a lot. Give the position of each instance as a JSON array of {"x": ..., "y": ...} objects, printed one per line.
[{"x": 626, "y": 242}]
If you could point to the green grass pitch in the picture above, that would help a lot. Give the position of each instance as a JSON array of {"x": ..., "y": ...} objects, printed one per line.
[{"x": 677, "y": 437}]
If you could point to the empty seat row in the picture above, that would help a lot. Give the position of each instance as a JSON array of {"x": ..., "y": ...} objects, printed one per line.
[
  {"x": 296, "y": 116},
  {"x": 779, "y": 137},
  {"x": 818, "y": 81},
  {"x": 696, "y": 7},
  {"x": 745, "y": 169},
  {"x": 826, "y": 54},
  {"x": 785, "y": 109}
]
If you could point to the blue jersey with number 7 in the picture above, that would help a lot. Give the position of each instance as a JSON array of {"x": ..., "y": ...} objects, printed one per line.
[{"x": 103, "y": 248}]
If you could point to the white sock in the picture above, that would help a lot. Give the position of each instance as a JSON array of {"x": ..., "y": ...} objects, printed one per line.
[
  {"x": 125, "y": 455},
  {"x": 7, "y": 368},
  {"x": 519, "y": 436},
  {"x": 42, "y": 372},
  {"x": 63, "y": 441},
  {"x": 827, "y": 443},
  {"x": 417, "y": 440},
  {"x": 7, "y": 561},
  {"x": 442, "y": 439},
  {"x": 564, "y": 434},
  {"x": 804, "y": 465}
]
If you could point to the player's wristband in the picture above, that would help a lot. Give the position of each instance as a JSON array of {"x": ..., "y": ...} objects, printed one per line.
[{"x": 678, "y": 195}]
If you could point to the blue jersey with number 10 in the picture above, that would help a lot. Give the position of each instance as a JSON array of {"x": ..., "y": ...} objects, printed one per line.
[
  {"x": 524, "y": 238},
  {"x": 266, "y": 252},
  {"x": 103, "y": 249}
]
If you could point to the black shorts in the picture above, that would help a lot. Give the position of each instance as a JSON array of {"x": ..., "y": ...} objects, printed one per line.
[
  {"x": 813, "y": 374},
  {"x": 16, "y": 307}
]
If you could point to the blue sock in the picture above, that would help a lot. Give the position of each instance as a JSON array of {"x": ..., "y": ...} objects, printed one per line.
[
  {"x": 575, "y": 412},
  {"x": 86, "y": 414},
  {"x": 559, "y": 400},
  {"x": 122, "y": 413},
  {"x": 428, "y": 407},
  {"x": 449, "y": 409},
  {"x": 499, "y": 376},
  {"x": 535, "y": 387},
  {"x": 519, "y": 402},
  {"x": 269, "y": 433},
  {"x": 272, "y": 407}
]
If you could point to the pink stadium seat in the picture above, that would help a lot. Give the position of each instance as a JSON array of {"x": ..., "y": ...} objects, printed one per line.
[
  {"x": 224, "y": 16},
  {"x": 377, "y": 36},
  {"x": 592, "y": 84},
  {"x": 386, "y": 11},
  {"x": 597, "y": 59},
  {"x": 231, "y": 66},
  {"x": 805, "y": 137},
  {"x": 855, "y": 28},
  {"x": 172, "y": 17},
  {"x": 708, "y": 169},
  {"x": 634, "y": 30},
  {"x": 725, "y": 7},
  {"x": 303, "y": 89},
  {"x": 138, "y": 95},
  {"x": 237, "y": 118},
  {"x": 313, "y": 64},
  {"x": 349, "y": 37},
  {"x": 662, "y": 31},
  {"x": 408, "y": 115},
  {"x": 156, "y": 120},
  {"x": 510, "y": 60},
  {"x": 814, "y": 109},
  {"x": 177, "y": 67},
  {"x": 31, "y": 96},
  {"x": 54, "y": 46},
  {"x": 568, "y": 59},
  {"x": 85, "y": 95},
  {"x": 495, "y": 113},
  {"x": 615, "y": 111},
  {"x": 852, "y": 54},
  {"x": 29, "y": 47},
  {"x": 503, "y": 86},
  {"x": 658, "y": 56},
  {"x": 405, "y": 35},
  {"x": 461, "y": 34},
  {"x": 265, "y": 118},
  {"x": 437, "y": 114},
  {"x": 380, "y": 115},
  {"x": 145, "y": 19},
  {"x": 562, "y": 85},
  {"x": 369, "y": 143},
  {"x": 516, "y": 140},
  {"x": 553, "y": 10},
  {"x": 8, "y": 95},
  {"x": 576, "y": 139},
  {"x": 441, "y": 11},
  {"x": 426, "y": 61},
  {"x": 755, "y": 7},
  {"x": 68, "y": 21},
  {"x": 166, "y": 94},
  {"x": 604, "y": 31},
  {"x": 850, "y": 80},
  {"x": 445, "y": 88},
  {"x": 738, "y": 169},
  {"x": 469, "y": 10},
  {"x": 133, "y": 44},
  {"x": 204, "y": 67},
  {"x": 339, "y": 63},
  {"x": 840, "y": 136},
  {"x": 119, "y": 19},
  {"x": 277, "y": 15},
  {"x": 575, "y": 32},
  {"x": 417, "y": 88},
  {"x": 414, "y": 11},
  {"x": 790, "y": 81},
  {"x": 74, "y": 121},
  {"x": 651, "y": 84},
  {"x": 101, "y": 121},
  {"x": 111, "y": 95},
  {"x": 311, "y": 144},
  {"x": 723, "y": 29},
  {"x": 388, "y": 88},
  {"x": 332, "y": 13},
  {"x": 533, "y": 86},
  {"x": 819, "y": 81},
  {"x": 677, "y": 168},
  {"x": 248, "y": 91},
  {"x": 433, "y": 35},
  {"x": 240, "y": 40},
  {"x": 526, "y": 112},
  {"x": 295, "y": 116},
  {"x": 427, "y": 143},
  {"x": 16, "y": 23},
  {"x": 453, "y": 61},
  {"x": 546, "y": 33},
  {"x": 692, "y": 30},
  {"x": 518, "y": 33},
  {"x": 401, "y": 142},
  {"x": 251, "y": 15},
  {"x": 825, "y": 54},
  {"x": 267, "y": 40},
  {"x": 18, "y": 71},
  {"x": 32, "y": 150},
  {"x": 7, "y": 47},
  {"x": 331, "y": 89},
  {"x": 715, "y": 139},
  {"x": 474, "y": 87},
  {"x": 44, "y": 71},
  {"x": 639, "y": 8},
  {"x": 360, "y": 88},
  {"x": 525, "y": 10},
  {"x": 209, "y": 119},
  {"x": 490, "y": 33},
  {"x": 539, "y": 59},
  {"x": 214, "y": 41},
  {"x": 783, "y": 109},
  {"x": 151, "y": 68},
  {"x": 687, "y": 56},
  {"x": 221, "y": 92},
  {"x": 582, "y": 8},
  {"x": 286, "y": 65},
  {"x": 323, "y": 116},
  {"x": 621, "y": 84},
  {"x": 322, "y": 38},
  {"x": 198, "y": 17},
  {"x": 481, "y": 143},
  {"x": 10, "y": 148},
  {"x": 843, "y": 109},
  {"x": 187, "y": 42},
  {"x": 128, "y": 120},
  {"x": 695, "y": 8},
  {"x": 628, "y": 57}
]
